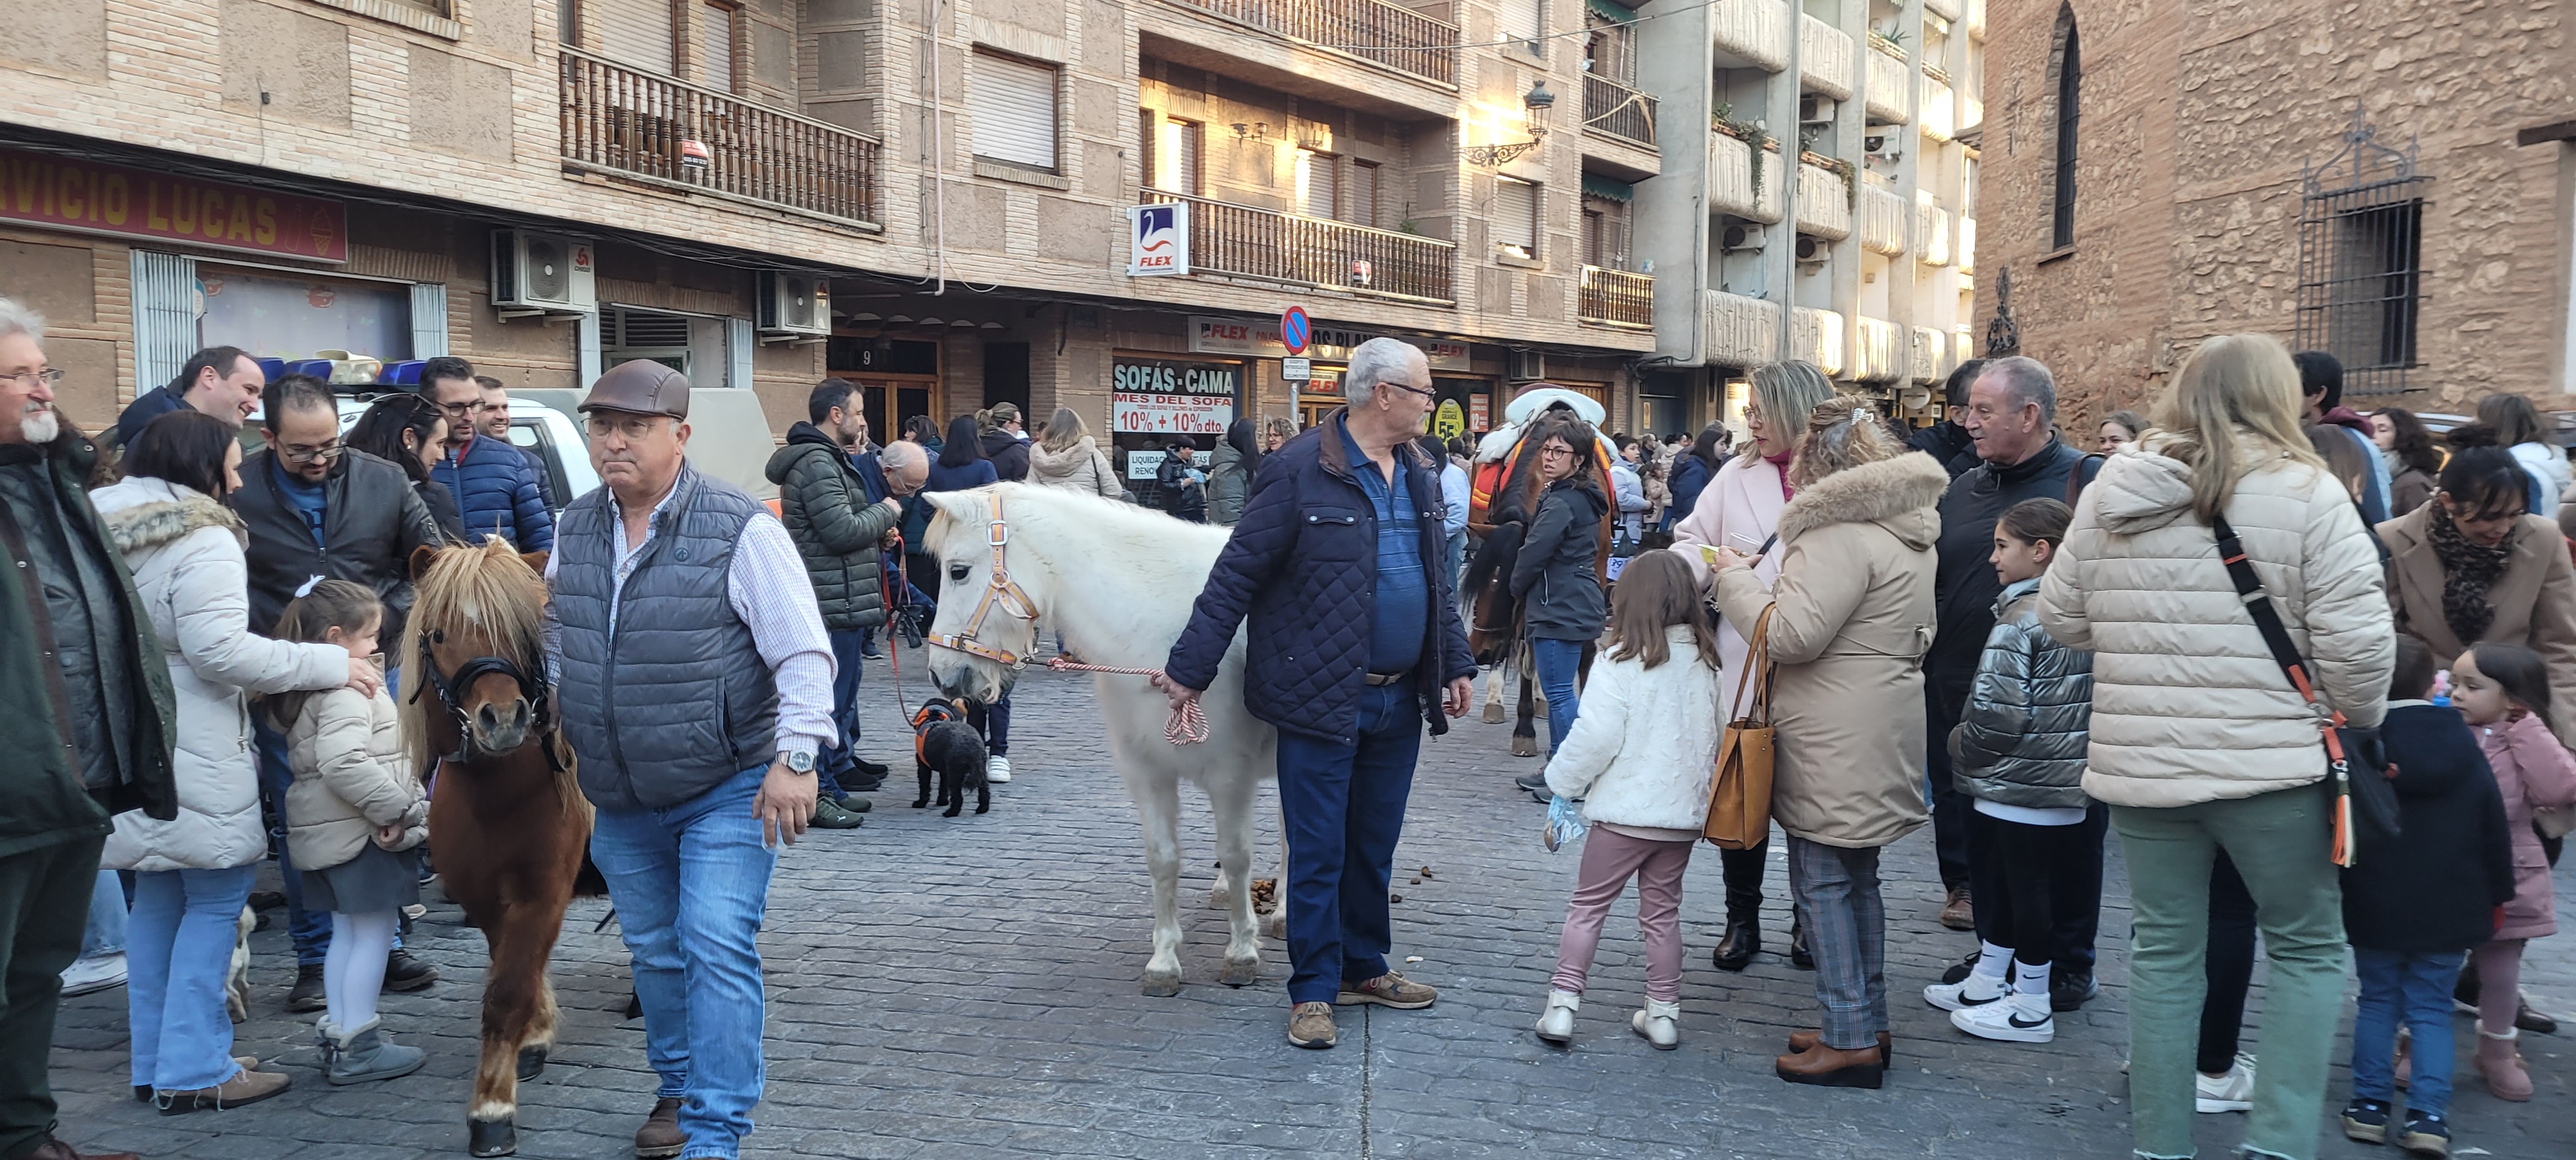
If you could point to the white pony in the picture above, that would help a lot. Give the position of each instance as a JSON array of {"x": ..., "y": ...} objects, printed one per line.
[{"x": 1117, "y": 582}]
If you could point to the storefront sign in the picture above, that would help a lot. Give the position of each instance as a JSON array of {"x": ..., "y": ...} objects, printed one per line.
[
  {"x": 1480, "y": 413},
  {"x": 1448, "y": 422},
  {"x": 65, "y": 193},
  {"x": 1148, "y": 464},
  {"x": 1158, "y": 240},
  {"x": 1262, "y": 340},
  {"x": 1164, "y": 397}
]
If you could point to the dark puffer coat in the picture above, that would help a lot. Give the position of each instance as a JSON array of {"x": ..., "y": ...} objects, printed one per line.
[
  {"x": 1553, "y": 575},
  {"x": 825, "y": 504},
  {"x": 1302, "y": 567},
  {"x": 2022, "y": 739},
  {"x": 2438, "y": 886},
  {"x": 495, "y": 487}
]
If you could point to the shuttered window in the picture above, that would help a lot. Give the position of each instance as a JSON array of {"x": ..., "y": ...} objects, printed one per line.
[
  {"x": 636, "y": 33},
  {"x": 1013, "y": 106},
  {"x": 1176, "y": 156},
  {"x": 1522, "y": 21},
  {"x": 1516, "y": 217},
  {"x": 717, "y": 20},
  {"x": 1318, "y": 187},
  {"x": 1361, "y": 206}
]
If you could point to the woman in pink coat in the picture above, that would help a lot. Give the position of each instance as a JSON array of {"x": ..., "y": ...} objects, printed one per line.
[
  {"x": 1740, "y": 509},
  {"x": 2503, "y": 691}
]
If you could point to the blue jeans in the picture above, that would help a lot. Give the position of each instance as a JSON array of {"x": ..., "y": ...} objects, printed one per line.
[
  {"x": 2414, "y": 989},
  {"x": 1557, "y": 662},
  {"x": 1343, "y": 806},
  {"x": 105, "y": 934},
  {"x": 697, "y": 967},
  {"x": 837, "y": 765},
  {"x": 179, "y": 947},
  {"x": 994, "y": 722}
]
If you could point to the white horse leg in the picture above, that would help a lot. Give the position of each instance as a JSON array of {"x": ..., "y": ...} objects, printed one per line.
[
  {"x": 1230, "y": 799},
  {"x": 1277, "y": 926},
  {"x": 1158, "y": 804}
]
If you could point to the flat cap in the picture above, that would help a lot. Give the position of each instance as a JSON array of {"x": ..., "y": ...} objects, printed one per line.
[{"x": 640, "y": 387}]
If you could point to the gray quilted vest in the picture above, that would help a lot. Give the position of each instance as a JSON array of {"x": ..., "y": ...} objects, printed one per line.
[{"x": 676, "y": 699}]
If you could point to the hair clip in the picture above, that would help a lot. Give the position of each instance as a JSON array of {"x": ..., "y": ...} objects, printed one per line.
[{"x": 307, "y": 589}]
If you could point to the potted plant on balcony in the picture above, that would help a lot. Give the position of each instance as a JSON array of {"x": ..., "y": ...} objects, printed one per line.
[
  {"x": 1751, "y": 133},
  {"x": 1892, "y": 43}
]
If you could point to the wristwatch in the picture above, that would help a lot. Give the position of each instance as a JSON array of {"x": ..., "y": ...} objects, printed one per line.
[{"x": 799, "y": 761}]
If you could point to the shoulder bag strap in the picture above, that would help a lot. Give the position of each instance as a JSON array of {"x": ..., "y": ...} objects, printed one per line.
[
  {"x": 2075, "y": 479},
  {"x": 2267, "y": 618},
  {"x": 1757, "y": 662}
]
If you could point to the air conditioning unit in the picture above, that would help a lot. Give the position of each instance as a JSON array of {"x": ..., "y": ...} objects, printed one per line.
[
  {"x": 1812, "y": 250},
  {"x": 794, "y": 305},
  {"x": 1813, "y": 109},
  {"x": 543, "y": 274},
  {"x": 1740, "y": 237},
  {"x": 1528, "y": 366}
]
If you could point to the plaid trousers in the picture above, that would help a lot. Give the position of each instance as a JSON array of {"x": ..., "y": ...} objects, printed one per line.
[{"x": 1836, "y": 892}]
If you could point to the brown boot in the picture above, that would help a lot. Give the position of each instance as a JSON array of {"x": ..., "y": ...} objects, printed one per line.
[
  {"x": 2500, "y": 1064},
  {"x": 1960, "y": 912},
  {"x": 1801, "y": 1042},
  {"x": 53, "y": 1149},
  {"x": 245, "y": 1087},
  {"x": 1825, "y": 1066},
  {"x": 661, "y": 1136}
]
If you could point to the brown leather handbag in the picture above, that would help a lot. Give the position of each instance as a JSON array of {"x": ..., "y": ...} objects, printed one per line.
[{"x": 1739, "y": 797}]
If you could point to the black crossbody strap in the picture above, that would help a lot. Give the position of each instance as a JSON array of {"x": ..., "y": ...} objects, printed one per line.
[{"x": 2258, "y": 604}]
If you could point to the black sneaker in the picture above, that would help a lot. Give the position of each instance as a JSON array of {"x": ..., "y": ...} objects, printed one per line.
[
  {"x": 1958, "y": 973},
  {"x": 405, "y": 973},
  {"x": 2367, "y": 1121},
  {"x": 266, "y": 900},
  {"x": 308, "y": 995},
  {"x": 868, "y": 770},
  {"x": 2068, "y": 990},
  {"x": 2426, "y": 1134},
  {"x": 829, "y": 815}
]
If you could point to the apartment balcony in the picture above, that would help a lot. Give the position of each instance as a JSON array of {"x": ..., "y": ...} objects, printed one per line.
[
  {"x": 1972, "y": 113},
  {"x": 1292, "y": 249},
  {"x": 1617, "y": 111},
  {"x": 1753, "y": 32},
  {"x": 1940, "y": 116},
  {"x": 1732, "y": 184},
  {"x": 1824, "y": 58},
  {"x": 1616, "y": 298},
  {"x": 1736, "y": 330},
  {"x": 639, "y": 126},
  {"x": 1967, "y": 245},
  {"x": 1929, "y": 361},
  {"x": 1945, "y": 9},
  {"x": 1817, "y": 336},
  {"x": 1879, "y": 350},
  {"x": 1824, "y": 203},
  {"x": 1974, "y": 19},
  {"x": 1884, "y": 95},
  {"x": 1931, "y": 233},
  {"x": 1882, "y": 220},
  {"x": 1388, "y": 35}
]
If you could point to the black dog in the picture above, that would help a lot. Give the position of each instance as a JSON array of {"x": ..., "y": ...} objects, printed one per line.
[{"x": 942, "y": 740}]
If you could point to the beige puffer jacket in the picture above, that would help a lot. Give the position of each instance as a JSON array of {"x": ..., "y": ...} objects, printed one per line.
[
  {"x": 2188, "y": 704},
  {"x": 346, "y": 751},
  {"x": 1083, "y": 467}
]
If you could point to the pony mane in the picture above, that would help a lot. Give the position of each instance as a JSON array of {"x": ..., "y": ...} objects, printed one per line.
[
  {"x": 1127, "y": 526},
  {"x": 487, "y": 587}
]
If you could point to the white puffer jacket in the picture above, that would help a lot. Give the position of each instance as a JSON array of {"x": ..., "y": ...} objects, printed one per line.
[
  {"x": 1645, "y": 746},
  {"x": 185, "y": 551},
  {"x": 2188, "y": 704}
]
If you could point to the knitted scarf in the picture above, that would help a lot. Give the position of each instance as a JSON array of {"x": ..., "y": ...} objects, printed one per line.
[{"x": 2468, "y": 568}]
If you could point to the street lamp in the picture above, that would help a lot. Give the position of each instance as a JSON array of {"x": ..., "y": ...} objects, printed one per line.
[{"x": 1535, "y": 106}]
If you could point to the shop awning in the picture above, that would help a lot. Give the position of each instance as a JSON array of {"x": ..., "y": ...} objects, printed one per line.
[
  {"x": 1609, "y": 11},
  {"x": 1597, "y": 186}
]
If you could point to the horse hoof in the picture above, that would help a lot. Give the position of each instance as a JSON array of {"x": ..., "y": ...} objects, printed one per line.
[
  {"x": 1240, "y": 972},
  {"x": 1524, "y": 746},
  {"x": 492, "y": 1137},
  {"x": 1275, "y": 926},
  {"x": 1493, "y": 714},
  {"x": 1162, "y": 984},
  {"x": 532, "y": 1063}
]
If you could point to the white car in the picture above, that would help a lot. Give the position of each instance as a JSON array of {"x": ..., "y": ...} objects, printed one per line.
[{"x": 549, "y": 435}]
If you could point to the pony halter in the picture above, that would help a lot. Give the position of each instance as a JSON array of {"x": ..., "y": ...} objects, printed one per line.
[
  {"x": 1001, "y": 593},
  {"x": 451, "y": 690}
]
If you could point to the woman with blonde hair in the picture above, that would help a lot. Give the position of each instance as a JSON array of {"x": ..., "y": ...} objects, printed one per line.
[
  {"x": 2200, "y": 744},
  {"x": 1069, "y": 458}
]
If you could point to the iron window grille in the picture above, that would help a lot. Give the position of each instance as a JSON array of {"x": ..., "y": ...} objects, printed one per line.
[
  {"x": 2070, "y": 81},
  {"x": 2361, "y": 229}
]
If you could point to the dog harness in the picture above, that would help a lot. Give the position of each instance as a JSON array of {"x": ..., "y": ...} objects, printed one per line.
[{"x": 932, "y": 713}]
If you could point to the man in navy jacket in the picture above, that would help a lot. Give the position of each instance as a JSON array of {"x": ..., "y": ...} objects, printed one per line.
[
  {"x": 495, "y": 487},
  {"x": 1354, "y": 645}
]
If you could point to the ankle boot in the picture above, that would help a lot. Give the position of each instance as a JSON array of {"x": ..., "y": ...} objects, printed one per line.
[
  {"x": 1556, "y": 1024},
  {"x": 2501, "y": 1066},
  {"x": 1660, "y": 1023},
  {"x": 1743, "y": 941},
  {"x": 361, "y": 1054}
]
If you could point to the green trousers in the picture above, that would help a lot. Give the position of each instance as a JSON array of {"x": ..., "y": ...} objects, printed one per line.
[
  {"x": 2279, "y": 842},
  {"x": 44, "y": 905}
]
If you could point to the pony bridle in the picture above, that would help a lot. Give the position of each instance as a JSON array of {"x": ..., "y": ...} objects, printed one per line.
[
  {"x": 1001, "y": 594},
  {"x": 450, "y": 690}
]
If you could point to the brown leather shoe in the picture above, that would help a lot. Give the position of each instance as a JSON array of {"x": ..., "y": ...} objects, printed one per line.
[
  {"x": 53, "y": 1149},
  {"x": 1960, "y": 912},
  {"x": 245, "y": 1087},
  {"x": 1311, "y": 1025},
  {"x": 661, "y": 1136},
  {"x": 1803, "y": 1041},
  {"x": 1825, "y": 1066}
]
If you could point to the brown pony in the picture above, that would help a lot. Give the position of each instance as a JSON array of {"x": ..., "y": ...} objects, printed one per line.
[
  {"x": 1494, "y": 620},
  {"x": 507, "y": 823}
]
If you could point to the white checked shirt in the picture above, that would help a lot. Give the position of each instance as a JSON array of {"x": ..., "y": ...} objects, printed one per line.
[{"x": 768, "y": 588}]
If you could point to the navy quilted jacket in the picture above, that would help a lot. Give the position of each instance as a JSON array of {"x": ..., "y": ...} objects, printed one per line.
[
  {"x": 497, "y": 485},
  {"x": 1302, "y": 568}
]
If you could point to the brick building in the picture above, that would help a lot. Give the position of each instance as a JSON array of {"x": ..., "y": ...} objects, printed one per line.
[
  {"x": 2393, "y": 183},
  {"x": 930, "y": 197}
]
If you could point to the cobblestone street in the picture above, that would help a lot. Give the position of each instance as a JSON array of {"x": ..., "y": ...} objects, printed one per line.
[{"x": 968, "y": 987}]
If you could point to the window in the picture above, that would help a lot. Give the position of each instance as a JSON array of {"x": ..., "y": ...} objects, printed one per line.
[
  {"x": 1318, "y": 184},
  {"x": 2361, "y": 223},
  {"x": 716, "y": 46},
  {"x": 1524, "y": 21},
  {"x": 635, "y": 33},
  {"x": 1360, "y": 208},
  {"x": 1516, "y": 217},
  {"x": 1609, "y": 49},
  {"x": 1012, "y": 104},
  {"x": 1176, "y": 156},
  {"x": 2070, "y": 79},
  {"x": 1605, "y": 232}
]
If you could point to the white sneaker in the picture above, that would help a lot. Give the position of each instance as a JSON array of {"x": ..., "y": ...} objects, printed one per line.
[
  {"x": 2024, "y": 1019},
  {"x": 94, "y": 974},
  {"x": 997, "y": 769},
  {"x": 1660, "y": 1023},
  {"x": 1968, "y": 993},
  {"x": 2232, "y": 1092},
  {"x": 1556, "y": 1024}
]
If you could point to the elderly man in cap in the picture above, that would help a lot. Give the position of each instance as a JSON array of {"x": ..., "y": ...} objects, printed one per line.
[{"x": 696, "y": 688}]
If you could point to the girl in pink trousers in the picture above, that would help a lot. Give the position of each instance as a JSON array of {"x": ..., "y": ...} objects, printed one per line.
[
  {"x": 1639, "y": 758},
  {"x": 2503, "y": 691}
]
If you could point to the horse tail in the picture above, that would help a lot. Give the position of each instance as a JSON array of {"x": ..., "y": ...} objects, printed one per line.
[{"x": 1494, "y": 558}]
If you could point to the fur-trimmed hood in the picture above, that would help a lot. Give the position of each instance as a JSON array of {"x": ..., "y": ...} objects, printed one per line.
[
  {"x": 1048, "y": 466},
  {"x": 1900, "y": 494},
  {"x": 143, "y": 512}
]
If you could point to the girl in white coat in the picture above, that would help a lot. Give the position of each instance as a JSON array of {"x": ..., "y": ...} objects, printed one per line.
[
  {"x": 193, "y": 873},
  {"x": 1639, "y": 757}
]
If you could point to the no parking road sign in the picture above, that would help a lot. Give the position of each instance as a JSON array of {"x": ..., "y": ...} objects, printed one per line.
[{"x": 1294, "y": 330}]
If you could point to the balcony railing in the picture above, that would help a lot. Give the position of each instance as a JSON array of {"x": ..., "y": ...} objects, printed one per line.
[
  {"x": 617, "y": 118},
  {"x": 1283, "y": 247},
  {"x": 1824, "y": 203},
  {"x": 1824, "y": 58},
  {"x": 1731, "y": 185},
  {"x": 1940, "y": 117},
  {"x": 1884, "y": 96},
  {"x": 1879, "y": 348},
  {"x": 1931, "y": 234},
  {"x": 1617, "y": 298},
  {"x": 1817, "y": 336},
  {"x": 1929, "y": 362},
  {"x": 1755, "y": 31},
  {"x": 1882, "y": 220},
  {"x": 1372, "y": 30},
  {"x": 1622, "y": 112},
  {"x": 1736, "y": 330}
]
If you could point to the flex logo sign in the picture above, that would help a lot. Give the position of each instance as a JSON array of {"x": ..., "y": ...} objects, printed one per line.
[{"x": 1158, "y": 240}]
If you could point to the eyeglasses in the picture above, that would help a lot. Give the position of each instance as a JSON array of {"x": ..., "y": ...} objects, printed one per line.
[
  {"x": 294, "y": 453},
  {"x": 1425, "y": 392},
  {"x": 630, "y": 427},
  {"x": 461, "y": 409},
  {"x": 1553, "y": 452},
  {"x": 29, "y": 379}
]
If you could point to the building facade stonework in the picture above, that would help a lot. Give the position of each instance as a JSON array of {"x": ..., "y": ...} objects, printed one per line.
[{"x": 2232, "y": 162}]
